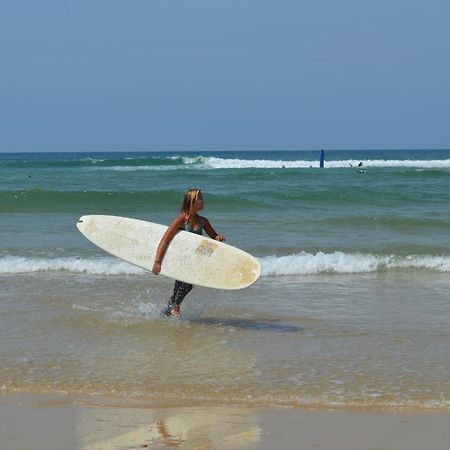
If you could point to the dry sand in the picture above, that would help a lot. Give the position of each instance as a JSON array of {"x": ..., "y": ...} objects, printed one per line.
[{"x": 29, "y": 424}]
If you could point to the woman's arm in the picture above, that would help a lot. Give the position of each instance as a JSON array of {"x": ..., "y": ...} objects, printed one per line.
[
  {"x": 165, "y": 241},
  {"x": 211, "y": 231}
]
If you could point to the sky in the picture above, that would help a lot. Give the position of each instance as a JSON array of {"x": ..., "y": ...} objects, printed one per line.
[{"x": 173, "y": 75}]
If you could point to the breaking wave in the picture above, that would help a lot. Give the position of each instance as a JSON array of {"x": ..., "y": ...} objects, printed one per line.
[{"x": 297, "y": 264}]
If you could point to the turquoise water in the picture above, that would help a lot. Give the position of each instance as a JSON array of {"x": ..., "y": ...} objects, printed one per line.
[{"x": 352, "y": 308}]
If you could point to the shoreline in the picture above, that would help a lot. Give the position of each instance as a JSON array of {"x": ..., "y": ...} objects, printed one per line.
[
  {"x": 55, "y": 423},
  {"x": 103, "y": 401}
]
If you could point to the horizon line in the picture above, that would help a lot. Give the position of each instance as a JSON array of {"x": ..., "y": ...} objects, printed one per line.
[{"x": 226, "y": 150}]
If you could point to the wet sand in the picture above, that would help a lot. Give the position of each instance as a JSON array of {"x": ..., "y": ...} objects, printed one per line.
[{"x": 47, "y": 424}]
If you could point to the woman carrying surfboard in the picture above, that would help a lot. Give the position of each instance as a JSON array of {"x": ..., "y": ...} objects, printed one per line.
[{"x": 187, "y": 220}]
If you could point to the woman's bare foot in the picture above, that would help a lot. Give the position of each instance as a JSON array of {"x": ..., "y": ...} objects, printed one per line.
[
  {"x": 175, "y": 311},
  {"x": 172, "y": 311}
]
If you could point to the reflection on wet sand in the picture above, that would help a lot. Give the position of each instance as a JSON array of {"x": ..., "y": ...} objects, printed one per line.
[{"x": 183, "y": 428}]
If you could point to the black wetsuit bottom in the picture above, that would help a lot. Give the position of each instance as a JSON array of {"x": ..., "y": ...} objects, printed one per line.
[{"x": 180, "y": 290}]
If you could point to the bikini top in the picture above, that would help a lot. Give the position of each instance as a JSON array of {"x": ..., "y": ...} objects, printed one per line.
[{"x": 199, "y": 230}]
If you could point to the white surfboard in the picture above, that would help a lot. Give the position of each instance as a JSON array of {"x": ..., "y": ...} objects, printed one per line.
[{"x": 190, "y": 258}]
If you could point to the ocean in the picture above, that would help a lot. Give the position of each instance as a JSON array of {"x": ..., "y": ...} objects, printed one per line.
[{"x": 352, "y": 309}]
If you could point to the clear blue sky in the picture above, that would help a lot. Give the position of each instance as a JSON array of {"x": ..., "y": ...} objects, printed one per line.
[{"x": 224, "y": 74}]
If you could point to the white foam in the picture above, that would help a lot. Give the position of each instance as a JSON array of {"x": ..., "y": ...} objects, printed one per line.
[
  {"x": 222, "y": 163},
  {"x": 95, "y": 266},
  {"x": 210, "y": 162},
  {"x": 296, "y": 264},
  {"x": 339, "y": 262}
]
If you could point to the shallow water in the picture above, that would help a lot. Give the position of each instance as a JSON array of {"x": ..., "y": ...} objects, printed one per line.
[{"x": 337, "y": 340}]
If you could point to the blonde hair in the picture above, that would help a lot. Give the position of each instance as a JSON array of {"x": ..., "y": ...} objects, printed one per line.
[{"x": 190, "y": 197}]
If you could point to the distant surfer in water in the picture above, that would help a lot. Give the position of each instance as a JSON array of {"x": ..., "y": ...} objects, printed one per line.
[{"x": 187, "y": 220}]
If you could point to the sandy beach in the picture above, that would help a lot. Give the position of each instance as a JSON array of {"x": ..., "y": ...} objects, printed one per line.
[{"x": 28, "y": 423}]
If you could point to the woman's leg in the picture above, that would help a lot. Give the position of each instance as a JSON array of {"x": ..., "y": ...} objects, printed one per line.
[{"x": 180, "y": 290}]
